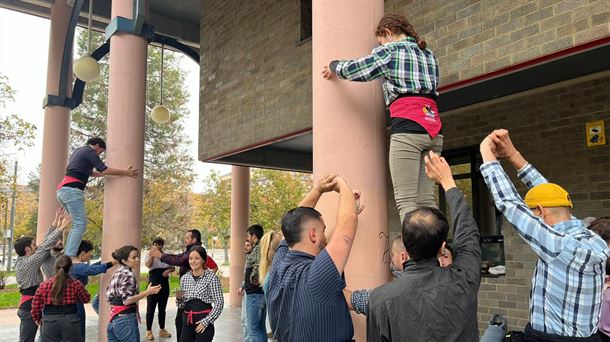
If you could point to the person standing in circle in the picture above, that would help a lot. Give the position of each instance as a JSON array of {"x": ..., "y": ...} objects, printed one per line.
[
  {"x": 410, "y": 75},
  {"x": 202, "y": 299},
  {"x": 123, "y": 296}
]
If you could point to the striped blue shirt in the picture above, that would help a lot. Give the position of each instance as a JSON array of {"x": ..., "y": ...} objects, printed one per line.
[
  {"x": 569, "y": 275},
  {"x": 404, "y": 67},
  {"x": 305, "y": 298}
]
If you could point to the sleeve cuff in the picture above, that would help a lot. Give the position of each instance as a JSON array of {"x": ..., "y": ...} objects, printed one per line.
[
  {"x": 333, "y": 65},
  {"x": 487, "y": 167},
  {"x": 108, "y": 265},
  {"x": 522, "y": 171}
]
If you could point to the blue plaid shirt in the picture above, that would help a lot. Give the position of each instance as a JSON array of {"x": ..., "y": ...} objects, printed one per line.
[
  {"x": 567, "y": 282},
  {"x": 405, "y": 68}
]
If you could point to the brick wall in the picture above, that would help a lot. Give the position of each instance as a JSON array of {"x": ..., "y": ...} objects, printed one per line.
[
  {"x": 471, "y": 37},
  {"x": 255, "y": 79},
  {"x": 548, "y": 126}
]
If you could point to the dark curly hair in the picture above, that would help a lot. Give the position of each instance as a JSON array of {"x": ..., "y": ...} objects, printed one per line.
[{"x": 398, "y": 24}]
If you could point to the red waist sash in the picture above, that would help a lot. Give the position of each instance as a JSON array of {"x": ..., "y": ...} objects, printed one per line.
[
  {"x": 189, "y": 315},
  {"x": 117, "y": 309},
  {"x": 25, "y": 298},
  {"x": 68, "y": 180},
  {"x": 419, "y": 109}
]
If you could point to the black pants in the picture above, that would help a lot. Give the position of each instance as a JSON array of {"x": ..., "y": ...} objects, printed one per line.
[
  {"x": 60, "y": 327},
  {"x": 178, "y": 321},
  {"x": 189, "y": 332},
  {"x": 151, "y": 303},
  {"x": 532, "y": 335},
  {"x": 27, "y": 327}
]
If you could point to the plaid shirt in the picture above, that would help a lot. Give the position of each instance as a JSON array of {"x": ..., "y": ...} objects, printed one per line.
[
  {"x": 360, "y": 298},
  {"x": 405, "y": 68},
  {"x": 569, "y": 276},
  {"x": 253, "y": 260},
  {"x": 74, "y": 292},
  {"x": 206, "y": 288},
  {"x": 27, "y": 268},
  {"x": 123, "y": 284}
]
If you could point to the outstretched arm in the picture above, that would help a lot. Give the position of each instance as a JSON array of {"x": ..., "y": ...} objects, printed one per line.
[
  {"x": 464, "y": 226},
  {"x": 543, "y": 238},
  {"x": 129, "y": 172},
  {"x": 341, "y": 242},
  {"x": 363, "y": 69}
]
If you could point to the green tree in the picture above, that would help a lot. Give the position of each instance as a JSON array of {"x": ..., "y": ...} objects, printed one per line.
[
  {"x": 15, "y": 134},
  {"x": 272, "y": 193},
  {"x": 168, "y": 168}
]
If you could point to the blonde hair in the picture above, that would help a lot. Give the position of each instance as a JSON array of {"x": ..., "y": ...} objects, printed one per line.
[{"x": 269, "y": 243}]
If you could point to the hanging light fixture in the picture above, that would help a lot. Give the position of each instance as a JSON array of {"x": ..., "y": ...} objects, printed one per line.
[
  {"x": 160, "y": 114},
  {"x": 87, "y": 68}
]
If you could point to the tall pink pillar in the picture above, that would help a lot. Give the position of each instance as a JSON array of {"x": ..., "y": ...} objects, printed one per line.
[
  {"x": 125, "y": 146},
  {"x": 56, "y": 129},
  {"x": 240, "y": 216},
  {"x": 349, "y": 134}
]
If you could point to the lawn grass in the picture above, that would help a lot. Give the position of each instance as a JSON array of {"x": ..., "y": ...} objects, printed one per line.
[{"x": 9, "y": 297}]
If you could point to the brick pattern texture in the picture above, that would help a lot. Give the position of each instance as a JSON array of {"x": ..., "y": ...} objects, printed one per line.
[
  {"x": 255, "y": 81},
  {"x": 472, "y": 37}
]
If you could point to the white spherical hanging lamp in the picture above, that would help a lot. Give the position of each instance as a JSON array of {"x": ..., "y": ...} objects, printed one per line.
[
  {"x": 87, "y": 68},
  {"x": 161, "y": 114}
]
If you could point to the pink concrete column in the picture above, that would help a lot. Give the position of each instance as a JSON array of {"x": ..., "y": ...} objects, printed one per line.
[
  {"x": 56, "y": 129},
  {"x": 125, "y": 146},
  {"x": 349, "y": 134},
  {"x": 240, "y": 216}
]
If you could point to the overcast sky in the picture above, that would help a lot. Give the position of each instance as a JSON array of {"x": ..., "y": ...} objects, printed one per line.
[{"x": 24, "y": 44}]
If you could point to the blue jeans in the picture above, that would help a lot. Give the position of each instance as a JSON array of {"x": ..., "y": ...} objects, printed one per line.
[
  {"x": 243, "y": 317},
  {"x": 73, "y": 200},
  {"x": 256, "y": 310},
  {"x": 124, "y": 328}
]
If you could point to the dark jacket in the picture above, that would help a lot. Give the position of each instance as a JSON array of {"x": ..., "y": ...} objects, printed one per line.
[{"x": 431, "y": 303}]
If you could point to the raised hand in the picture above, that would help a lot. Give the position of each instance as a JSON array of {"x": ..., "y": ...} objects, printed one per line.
[
  {"x": 64, "y": 221},
  {"x": 360, "y": 204},
  {"x": 58, "y": 214},
  {"x": 502, "y": 146},
  {"x": 327, "y": 183},
  {"x": 155, "y": 253},
  {"x": 438, "y": 170}
]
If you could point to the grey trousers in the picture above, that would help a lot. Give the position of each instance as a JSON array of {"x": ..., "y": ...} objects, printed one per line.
[
  {"x": 60, "y": 327},
  {"x": 27, "y": 327},
  {"x": 412, "y": 188}
]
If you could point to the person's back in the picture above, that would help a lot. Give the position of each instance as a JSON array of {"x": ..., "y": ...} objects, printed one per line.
[
  {"x": 309, "y": 289},
  {"x": 428, "y": 304}
]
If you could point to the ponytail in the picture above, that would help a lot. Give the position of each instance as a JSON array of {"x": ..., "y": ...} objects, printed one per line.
[
  {"x": 398, "y": 24},
  {"x": 62, "y": 268}
]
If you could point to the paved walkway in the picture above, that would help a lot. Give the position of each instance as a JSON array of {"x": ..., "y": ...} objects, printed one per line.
[{"x": 228, "y": 326}]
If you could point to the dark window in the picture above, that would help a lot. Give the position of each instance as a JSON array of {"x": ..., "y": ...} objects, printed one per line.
[
  {"x": 465, "y": 163},
  {"x": 305, "y": 19}
]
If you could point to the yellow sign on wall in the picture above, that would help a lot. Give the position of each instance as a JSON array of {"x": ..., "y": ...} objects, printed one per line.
[{"x": 596, "y": 135}]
